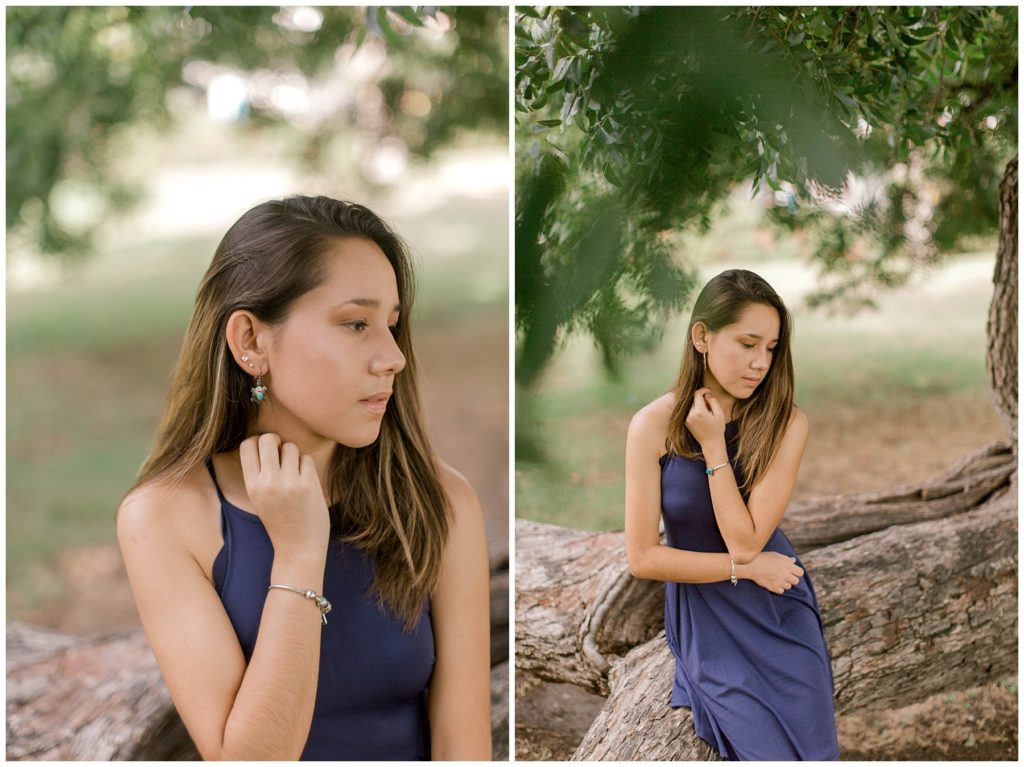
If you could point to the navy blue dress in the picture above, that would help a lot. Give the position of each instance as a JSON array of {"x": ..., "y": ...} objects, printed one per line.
[
  {"x": 751, "y": 665},
  {"x": 371, "y": 691}
]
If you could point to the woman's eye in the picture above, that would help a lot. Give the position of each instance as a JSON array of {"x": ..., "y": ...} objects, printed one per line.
[
  {"x": 357, "y": 325},
  {"x": 747, "y": 346}
]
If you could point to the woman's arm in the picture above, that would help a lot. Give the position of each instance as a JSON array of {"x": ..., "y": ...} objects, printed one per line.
[
  {"x": 647, "y": 557},
  {"x": 262, "y": 711},
  {"x": 459, "y": 699},
  {"x": 231, "y": 711},
  {"x": 746, "y": 527}
]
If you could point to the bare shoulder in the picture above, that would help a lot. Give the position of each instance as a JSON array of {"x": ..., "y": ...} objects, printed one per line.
[
  {"x": 460, "y": 493},
  {"x": 162, "y": 516},
  {"x": 466, "y": 553},
  {"x": 649, "y": 426},
  {"x": 151, "y": 506},
  {"x": 798, "y": 422}
]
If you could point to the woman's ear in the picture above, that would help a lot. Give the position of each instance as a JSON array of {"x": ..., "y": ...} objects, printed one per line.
[
  {"x": 243, "y": 336},
  {"x": 698, "y": 336}
]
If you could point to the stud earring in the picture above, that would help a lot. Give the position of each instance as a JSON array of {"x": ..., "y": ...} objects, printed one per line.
[{"x": 259, "y": 391}]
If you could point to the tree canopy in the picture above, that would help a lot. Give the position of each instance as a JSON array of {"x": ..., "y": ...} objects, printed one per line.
[
  {"x": 77, "y": 77},
  {"x": 633, "y": 123}
]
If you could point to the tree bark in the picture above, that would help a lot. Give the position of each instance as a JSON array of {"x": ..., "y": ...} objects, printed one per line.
[
  {"x": 578, "y": 609},
  {"x": 964, "y": 486},
  {"x": 499, "y": 599},
  {"x": 908, "y": 612},
  {"x": 95, "y": 697},
  {"x": 1001, "y": 359},
  {"x": 102, "y": 698}
]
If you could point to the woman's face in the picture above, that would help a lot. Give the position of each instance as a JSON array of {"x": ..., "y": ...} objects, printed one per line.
[
  {"x": 740, "y": 354},
  {"x": 333, "y": 362}
]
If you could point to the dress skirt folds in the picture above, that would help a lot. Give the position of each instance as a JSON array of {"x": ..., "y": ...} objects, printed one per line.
[{"x": 751, "y": 665}]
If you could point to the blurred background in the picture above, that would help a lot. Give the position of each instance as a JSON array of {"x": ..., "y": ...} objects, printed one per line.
[
  {"x": 851, "y": 157},
  {"x": 135, "y": 138}
]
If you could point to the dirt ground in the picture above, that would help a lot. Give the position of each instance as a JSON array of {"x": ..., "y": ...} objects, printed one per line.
[
  {"x": 464, "y": 387},
  {"x": 932, "y": 433},
  {"x": 979, "y": 724}
]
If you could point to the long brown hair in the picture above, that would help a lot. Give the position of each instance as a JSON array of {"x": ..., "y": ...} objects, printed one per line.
[
  {"x": 762, "y": 418},
  {"x": 390, "y": 500}
]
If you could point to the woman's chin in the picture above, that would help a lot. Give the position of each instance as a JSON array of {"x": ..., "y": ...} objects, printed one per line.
[{"x": 360, "y": 439}]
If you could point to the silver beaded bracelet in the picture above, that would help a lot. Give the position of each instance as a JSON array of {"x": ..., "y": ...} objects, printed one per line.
[
  {"x": 321, "y": 602},
  {"x": 732, "y": 562},
  {"x": 711, "y": 469}
]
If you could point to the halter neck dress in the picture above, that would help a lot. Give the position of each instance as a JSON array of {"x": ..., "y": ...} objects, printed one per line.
[
  {"x": 372, "y": 684},
  {"x": 751, "y": 665}
]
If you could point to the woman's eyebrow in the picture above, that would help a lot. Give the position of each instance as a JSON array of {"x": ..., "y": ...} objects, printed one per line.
[
  {"x": 372, "y": 303},
  {"x": 755, "y": 335}
]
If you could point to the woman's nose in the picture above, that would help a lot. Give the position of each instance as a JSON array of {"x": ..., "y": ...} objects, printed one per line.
[{"x": 389, "y": 359}]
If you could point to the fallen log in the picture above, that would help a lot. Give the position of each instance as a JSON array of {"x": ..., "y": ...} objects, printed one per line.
[
  {"x": 967, "y": 484},
  {"x": 637, "y": 723},
  {"x": 578, "y": 608},
  {"x": 102, "y": 698},
  {"x": 499, "y": 712},
  {"x": 908, "y": 612},
  {"x": 88, "y": 697}
]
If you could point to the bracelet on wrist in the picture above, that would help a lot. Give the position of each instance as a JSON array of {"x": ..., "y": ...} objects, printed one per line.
[{"x": 321, "y": 602}]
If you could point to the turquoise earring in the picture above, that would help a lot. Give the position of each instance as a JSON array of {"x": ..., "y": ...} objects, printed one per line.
[{"x": 259, "y": 392}]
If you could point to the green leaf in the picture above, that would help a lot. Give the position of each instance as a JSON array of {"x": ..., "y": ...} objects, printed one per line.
[
  {"x": 407, "y": 13},
  {"x": 392, "y": 37},
  {"x": 549, "y": 123},
  {"x": 847, "y": 100}
]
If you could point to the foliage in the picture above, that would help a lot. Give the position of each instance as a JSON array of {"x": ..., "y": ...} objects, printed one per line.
[
  {"x": 635, "y": 122},
  {"x": 79, "y": 77}
]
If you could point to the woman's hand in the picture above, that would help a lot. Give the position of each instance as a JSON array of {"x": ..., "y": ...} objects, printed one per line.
[
  {"x": 771, "y": 570},
  {"x": 285, "y": 490},
  {"x": 706, "y": 420}
]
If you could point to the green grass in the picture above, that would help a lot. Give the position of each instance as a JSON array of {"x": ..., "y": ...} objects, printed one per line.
[{"x": 924, "y": 341}]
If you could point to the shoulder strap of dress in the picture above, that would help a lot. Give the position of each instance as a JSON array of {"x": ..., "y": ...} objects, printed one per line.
[{"x": 213, "y": 476}]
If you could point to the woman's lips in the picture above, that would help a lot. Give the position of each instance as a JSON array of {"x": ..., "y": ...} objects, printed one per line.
[
  {"x": 376, "y": 404},
  {"x": 752, "y": 381}
]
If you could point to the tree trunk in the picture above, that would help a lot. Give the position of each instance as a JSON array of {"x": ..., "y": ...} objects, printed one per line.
[
  {"x": 102, "y": 698},
  {"x": 578, "y": 609},
  {"x": 1001, "y": 359}
]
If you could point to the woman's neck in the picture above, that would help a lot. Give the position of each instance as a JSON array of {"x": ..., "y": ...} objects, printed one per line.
[
  {"x": 726, "y": 400},
  {"x": 321, "y": 450}
]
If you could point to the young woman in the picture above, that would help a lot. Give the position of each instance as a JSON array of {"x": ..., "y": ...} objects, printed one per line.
[
  {"x": 717, "y": 458},
  {"x": 312, "y": 579}
]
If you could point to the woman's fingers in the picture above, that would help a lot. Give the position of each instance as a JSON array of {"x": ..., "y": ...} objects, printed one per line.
[
  {"x": 270, "y": 457},
  {"x": 713, "y": 405},
  {"x": 290, "y": 458},
  {"x": 248, "y": 454}
]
